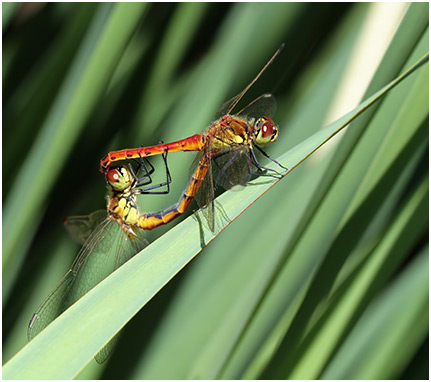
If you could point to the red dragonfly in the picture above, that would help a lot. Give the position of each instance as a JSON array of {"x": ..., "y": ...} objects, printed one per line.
[{"x": 226, "y": 153}]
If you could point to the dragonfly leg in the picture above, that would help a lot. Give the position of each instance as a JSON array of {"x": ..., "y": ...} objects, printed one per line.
[
  {"x": 270, "y": 158},
  {"x": 146, "y": 178},
  {"x": 272, "y": 173},
  {"x": 142, "y": 164},
  {"x": 147, "y": 190}
]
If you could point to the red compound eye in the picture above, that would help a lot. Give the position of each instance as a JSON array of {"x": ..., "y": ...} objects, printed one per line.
[
  {"x": 268, "y": 128},
  {"x": 113, "y": 175}
]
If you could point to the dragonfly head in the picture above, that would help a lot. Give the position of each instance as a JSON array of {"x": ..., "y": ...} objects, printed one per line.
[
  {"x": 266, "y": 131},
  {"x": 119, "y": 178}
]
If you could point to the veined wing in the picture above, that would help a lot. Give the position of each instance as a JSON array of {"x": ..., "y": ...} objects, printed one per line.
[
  {"x": 263, "y": 106},
  {"x": 81, "y": 227},
  {"x": 205, "y": 193},
  {"x": 107, "y": 248},
  {"x": 229, "y": 106},
  {"x": 232, "y": 168}
]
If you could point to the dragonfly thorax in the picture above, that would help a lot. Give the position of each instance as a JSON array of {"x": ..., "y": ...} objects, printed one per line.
[
  {"x": 125, "y": 208},
  {"x": 228, "y": 131}
]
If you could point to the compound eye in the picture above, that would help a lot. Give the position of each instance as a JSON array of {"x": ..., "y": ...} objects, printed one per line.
[
  {"x": 119, "y": 178},
  {"x": 113, "y": 175},
  {"x": 267, "y": 131}
]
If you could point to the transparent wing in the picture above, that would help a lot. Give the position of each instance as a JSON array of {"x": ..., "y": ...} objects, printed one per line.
[
  {"x": 205, "y": 194},
  {"x": 232, "y": 168},
  {"x": 81, "y": 227},
  {"x": 107, "y": 248},
  {"x": 228, "y": 106},
  {"x": 106, "y": 351},
  {"x": 263, "y": 106}
]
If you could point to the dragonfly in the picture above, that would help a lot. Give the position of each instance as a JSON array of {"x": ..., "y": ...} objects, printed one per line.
[
  {"x": 226, "y": 151},
  {"x": 111, "y": 237}
]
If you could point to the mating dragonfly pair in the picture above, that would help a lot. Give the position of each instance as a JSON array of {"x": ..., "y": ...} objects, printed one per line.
[{"x": 226, "y": 157}]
